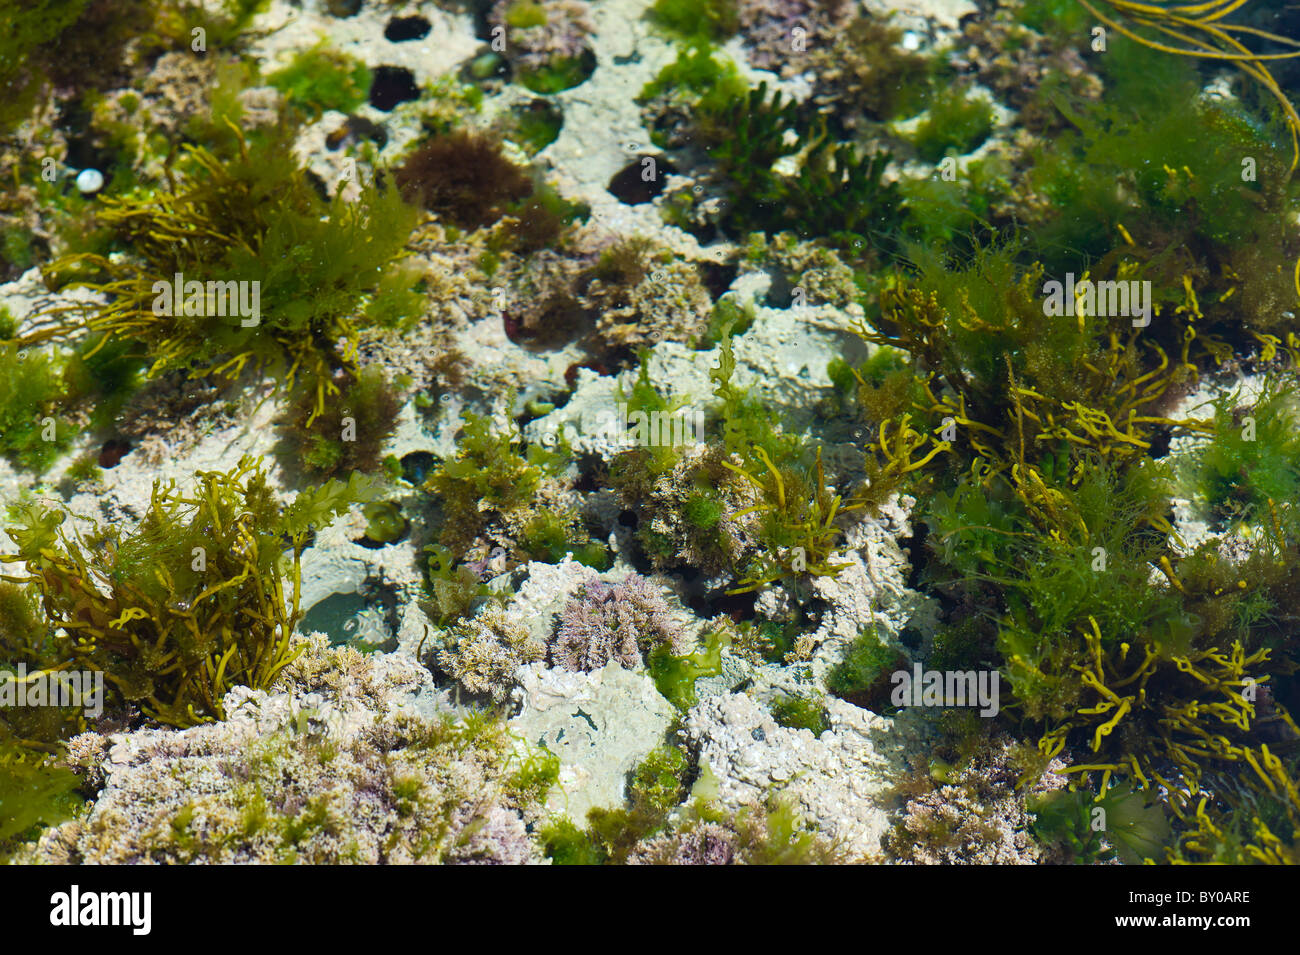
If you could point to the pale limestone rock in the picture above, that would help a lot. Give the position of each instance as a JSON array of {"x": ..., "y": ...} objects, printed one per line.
[
  {"x": 837, "y": 782},
  {"x": 601, "y": 725}
]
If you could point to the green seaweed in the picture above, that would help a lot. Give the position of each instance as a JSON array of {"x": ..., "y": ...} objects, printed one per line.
[
  {"x": 800, "y": 712},
  {"x": 385, "y": 522},
  {"x": 1253, "y": 457},
  {"x": 1092, "y": 829},
  {"x": 700, "y": 79},
  {"x": 321, "y": 78},
  {"x": 712, "y": 20},
  {"x": 675, "y": 676},
  {"x": 550, "y": 534},
  {"x": 456, "y": 588},
  {"x": 31, "y": 28},
  {"x": 955, "y": 124},
  {"x": 797, "y": 508},
  {"x": 349, "y": 435},
  {"x": 34, "y": 792},
  {"x": 488, "y": 476},
  {"x": 835, "y": 192},
  {"x": 559, "y": 74},
  {"x": 202, "y": 596},
  {"x": 863, "y": 676},
  {"x": 655, "y": 787},
  {"x": 33, "y": 427},
  {"x": 255, "y": 220}
]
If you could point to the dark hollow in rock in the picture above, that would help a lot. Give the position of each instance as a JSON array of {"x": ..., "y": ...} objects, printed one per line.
[
  {"x": 717, "y": 277},
  {"x": 539, "y": 122},
  {"x": 571, "y": 373},
  {"x": 318, "y": 184},
  {"x": 401, "y": 29},
  {"x": 640, "y": 181},
  {"x": 392, "y": 85},
  {"x": 551, "y": 326},
  {"x": 82, "y": 151},
  {"x": 113, "y": 451},
  {"x": 780, "y": 293},
  {"x": 416, "y": 465},
  {"x": 736, "y": 606}
]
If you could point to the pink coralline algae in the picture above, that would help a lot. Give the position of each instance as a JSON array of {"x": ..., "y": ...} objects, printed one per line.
[
  {"x": 705, "y": 844},
  {"x": 619, "y": 622},
  {"x": 556, "y": 30},
  {"x": 779, "y": 33}
]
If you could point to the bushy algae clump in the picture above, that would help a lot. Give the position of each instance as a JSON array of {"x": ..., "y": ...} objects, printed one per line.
[
  {"x": 712, "y": 20},
  {"x": 32, "y": 393},
  {"x": 621, "y": 623},
  {"x": 320, "y": 79},
  {"x": 667, "y": 821},
  {"x": 79, "y": 46},
  {"x": 489, "y": 477},
  {"x": 34, "y": 792},
  {"x": 483, "y": 654},
  {"x": 863, "y": 676},
  {"x": 463, "y": 177},
  {"x": 545, "y": 42},
  {"x": 1048, "y": 509},
  {"x": 350, "y": 433},
  {"x": 496, "y": 492},
  {"x": 1153, "y": 669},
  {"x": 956, "y": 123},
  {"x": 746, "y": 498},
  {"x": 1253, "y": 458},
  {"x": 800, "y": 712},
  {"x": 239, "y": 264},
  {"x": 201, "y": 597}
]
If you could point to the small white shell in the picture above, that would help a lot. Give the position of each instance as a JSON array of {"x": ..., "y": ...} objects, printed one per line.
[{"x": 90, "y": 181}]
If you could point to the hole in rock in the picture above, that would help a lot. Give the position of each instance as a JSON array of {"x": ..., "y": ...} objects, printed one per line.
[{"x": 392, "y": 85}]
